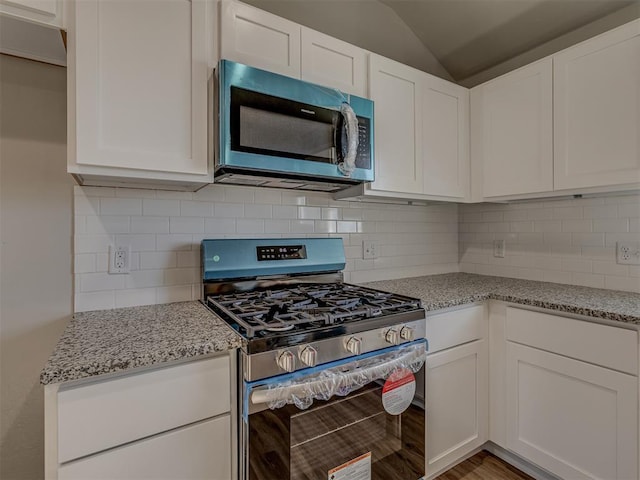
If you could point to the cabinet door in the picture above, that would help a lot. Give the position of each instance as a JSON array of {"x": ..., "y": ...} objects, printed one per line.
[
  {"x": 260, "y": 39},
  {"x": 575, "y": 419},
  {"x": 196, "y": 452},
  {"x": 138, "y": 96},
  {"x": 43, "y": 12},
  {"x": 397, "y": 92},
  {"x": 333, "y": 63},
  {"x": 597, "y": 110},
  {"x": 457, "y": 404},
  {"x": 511, "y": 126},
  {"x": 445, "y": 138}
]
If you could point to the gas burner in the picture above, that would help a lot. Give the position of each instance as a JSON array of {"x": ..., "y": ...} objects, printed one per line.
[{"x": 305, "y": 306}]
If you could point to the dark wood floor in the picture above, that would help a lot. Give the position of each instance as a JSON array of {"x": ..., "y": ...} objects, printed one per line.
[{"x": 484, "y": 466}]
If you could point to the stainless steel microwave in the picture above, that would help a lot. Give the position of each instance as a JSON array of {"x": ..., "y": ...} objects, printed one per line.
[{"x": 277, "y": 131}]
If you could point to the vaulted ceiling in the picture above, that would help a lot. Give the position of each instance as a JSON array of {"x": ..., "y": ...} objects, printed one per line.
[{"x": 458, "y": 39}]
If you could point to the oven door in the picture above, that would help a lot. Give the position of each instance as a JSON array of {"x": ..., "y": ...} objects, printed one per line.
[{"x": 360, "y": 418}]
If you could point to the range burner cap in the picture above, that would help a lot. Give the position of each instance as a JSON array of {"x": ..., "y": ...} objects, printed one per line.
[{"x": 279, "y": 328}]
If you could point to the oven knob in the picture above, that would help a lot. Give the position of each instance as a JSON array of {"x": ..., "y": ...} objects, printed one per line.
[
  {"x": 287, "y": 361},
  {"x": 392, "y": 336},
  {"x": 407, "y": 333},
  {"x": 354, "y": 345},
  {"x": 308, "y": 356}
]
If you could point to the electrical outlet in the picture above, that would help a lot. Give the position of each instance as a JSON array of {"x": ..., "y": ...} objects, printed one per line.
[
  {"x": 628, "y": 253},
  {"x": 369, "y": 249},
  {"x": 119, "y": 258},
  {"x": 498, "y": 248}
]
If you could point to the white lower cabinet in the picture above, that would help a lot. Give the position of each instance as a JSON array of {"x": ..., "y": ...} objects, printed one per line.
[
  {"x": 457, "y": 387},
  {"x": 196, "y": 452},
  {"x": 170, "y": 423},
  {"x": 567, "y": 410},
  {"x": 574, "y": 419}
]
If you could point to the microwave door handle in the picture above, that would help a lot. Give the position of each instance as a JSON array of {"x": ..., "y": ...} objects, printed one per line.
[
  {"x": 348, "y": 165},
  {"x": 328, "y": 384}
]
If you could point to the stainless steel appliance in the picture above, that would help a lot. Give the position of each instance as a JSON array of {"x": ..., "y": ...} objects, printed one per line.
[
  {"x": 332, "y": 374},
  {"x": 277, "y": 131}
]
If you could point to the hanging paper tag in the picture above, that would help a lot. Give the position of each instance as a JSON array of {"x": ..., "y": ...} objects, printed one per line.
[
  {"x": 398, "y": 391},
  {"x": 358, "y": 468}
]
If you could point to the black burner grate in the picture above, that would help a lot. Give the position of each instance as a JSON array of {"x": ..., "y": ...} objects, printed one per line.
[{"x": 306, "y": 306}]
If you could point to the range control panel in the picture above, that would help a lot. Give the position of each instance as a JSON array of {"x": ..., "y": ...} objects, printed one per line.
[{"x": 280, "y": 252}]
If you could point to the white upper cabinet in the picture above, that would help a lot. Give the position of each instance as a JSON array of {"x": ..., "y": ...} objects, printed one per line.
[
  {"x": 254, "y": 37},
  {"x": 257, "y": 38},
  {"x": 396, "y": 90},
  {"x": 597, "y": 111},
  {"x": 332, "y": 62},
  {"x": 43, "y": 12},
  {"x": 421, "y": 133},
  {"x": 137, "y": 92},
  {"x": 445, "y": 139},
  {"x": 512, "y": 133}
]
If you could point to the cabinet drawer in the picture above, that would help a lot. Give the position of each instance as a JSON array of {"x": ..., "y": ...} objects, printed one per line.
[
  {"x": 203, "y": 451},
  {"x": 611, "y": 347},
  {"x": 446, "y": 330},
  {"x": 102, "y": 415}
]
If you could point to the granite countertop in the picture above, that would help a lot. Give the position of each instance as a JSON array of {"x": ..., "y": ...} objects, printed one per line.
[
  {"x": 451, "y": 289},
  {"x": 108, "y": 341}
]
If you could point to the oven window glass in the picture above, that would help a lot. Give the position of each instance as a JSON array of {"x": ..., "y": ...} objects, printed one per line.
[{"x": 288, "y": 443}]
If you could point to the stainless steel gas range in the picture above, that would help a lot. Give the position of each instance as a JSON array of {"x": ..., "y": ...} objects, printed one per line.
[{"x": 332, "y": 374}]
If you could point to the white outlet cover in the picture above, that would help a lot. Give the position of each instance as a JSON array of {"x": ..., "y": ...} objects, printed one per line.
[
  {"x": 119, "y": 259},
  {"x": 628, "y": 253}
]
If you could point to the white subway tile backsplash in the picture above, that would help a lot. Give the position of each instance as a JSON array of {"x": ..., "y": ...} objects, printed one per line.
[
  {"x": 189, "y": 208},
  {"x": 86, "y": 302},
  {"x": 93, "y": 282},
  {"x": 174, "y": 242},
  {"x": 145, "y": 278},
  {"x": 140, "y": 242},
  {"x": 220, "y": 225},
  {"x": 186, "y": 225},
  {"x": 302, "y": 226},
  {"x": 568, "y": 241},
  {"x": 84, "y": 263},
  {"x": 258, "y": 211},
  {"x": 120, "y": 206},
  {"x": 605, "y": 225},
  {"x": 244, "y": 226},
  {"x": 577, "y": 235},
  {"x": 277, "y": 226},
  {"x": 181, "y": 276},
  {"x": 133, "y": 297},
  {"x": 601, "y": 211},
  {"x": 309, "y": 213},
  {"x": 238, "y": 195},
  {"x": 158, "y": 260},
  {"x": 568, "y": 213},
  {"x": 86, "y": 205},
  {"x": 228, "y": 210},
  {"x": 587, "y": 279},
  {"x": 92, "y": 243},
  {"x": 189, "y": 259},
  {"x": 107, "y": 224},
  {"x": 175, "y": 293},
  {"x": 577, "y": 226},
  {"x": 149, "y": 224}
]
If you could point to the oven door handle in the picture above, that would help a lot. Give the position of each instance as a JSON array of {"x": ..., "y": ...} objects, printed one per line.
[{"x": 348, "y": 379}]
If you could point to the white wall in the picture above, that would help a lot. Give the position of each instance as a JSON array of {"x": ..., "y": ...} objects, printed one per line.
[
  {"x": 35, "y": 252},
  {"x": 562, "y": 241},
  {"x": 165, "y": 230}
]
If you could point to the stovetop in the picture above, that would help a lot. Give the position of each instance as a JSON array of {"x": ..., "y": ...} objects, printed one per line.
[
  {"x": 305, "y": 307},
  {"x": 282, "y": 293}
]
